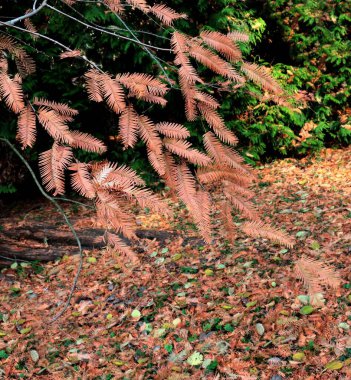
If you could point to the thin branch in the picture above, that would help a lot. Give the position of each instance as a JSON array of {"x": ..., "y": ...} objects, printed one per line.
[
  {"x": 91, "y": 63},
  {"x": 22, "y": 42},
  {"x": 69, "y": 224},
  {"x": 27, "y": 15},
  {"x": 114, "y": 27},
  {"x": 146, "y": 49},
  {"x": 15, "y": 260},
  {"x": 72, "y": 201},
  {"x": 137, "y": 41}
]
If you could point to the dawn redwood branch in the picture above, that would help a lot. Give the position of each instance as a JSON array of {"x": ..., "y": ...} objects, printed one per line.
[
  {"x": 27, "y": 15},
  {"x": 67, "y": 221}
]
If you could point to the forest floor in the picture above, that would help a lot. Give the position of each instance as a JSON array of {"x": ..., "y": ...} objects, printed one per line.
[{"x": 182, "y": 311}]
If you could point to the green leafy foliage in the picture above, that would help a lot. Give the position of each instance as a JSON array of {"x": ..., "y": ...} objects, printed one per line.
[
  {"x": 317, "y": 34},
  {"x": 7, "y": 189}
]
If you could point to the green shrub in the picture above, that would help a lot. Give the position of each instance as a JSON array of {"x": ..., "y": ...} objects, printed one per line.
[{"x": 318, "y": 35}]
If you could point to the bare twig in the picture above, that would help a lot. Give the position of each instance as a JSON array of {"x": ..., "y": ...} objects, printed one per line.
[
  {"x": 146, "y": 49},
  {"x": 344, "y": 237},
  {"x": 337, "y": 209},
  {"x": 65, "y": 217},
  {"x": 136, "y": 41},
  {"x": 114, "y": 27},
  {"x": 66, "y": 48},
  {"x": 72, "y": 201},
  {"x": 27, "y": 15}
]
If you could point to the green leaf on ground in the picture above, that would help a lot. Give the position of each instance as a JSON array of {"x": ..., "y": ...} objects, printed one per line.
[
  {"x": 306, "y": 310},
  {"x": 334, "y": 365},
  {"x": 195, "y": 359}
]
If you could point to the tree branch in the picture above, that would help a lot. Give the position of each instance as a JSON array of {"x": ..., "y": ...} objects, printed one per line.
[
  {"x": 114, "y": 27},
  {"x": 136, "y": 41},
  {"x": 27, "y": 15},
  {"x": 65, "y": 217},
  {"x": 146, "y": 49},
  {"x": 66, "y": 48}
]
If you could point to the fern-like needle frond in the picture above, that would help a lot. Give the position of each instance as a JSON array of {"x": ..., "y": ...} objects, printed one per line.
[
  {"x": 314, "y": 273},
  {"x": 239, "y": 36},
  {"x": 157, "y": 162},
  {"x": 112, "y": 92},
  {"x": 4, "y": 65},
  {"x": 172, "y": 130},
  {"x": 223, "y": 44},
  {"x": 245, "y": 207},
  {"x": 183, "y": 149},
  {"x": 11, "y": 92},
  {"x": 81, "y": 180},
  {"x": 261, "y": 76},
  {"x": 189, "y": 92},
  {"x": 128, "y": 127},
  {"x": 186, "y": 186},
  {"x": 146, "y": 198},
  {"x": 165, "y": 14},
  {"x": 28, "y": 24},
  {"x": 101, "y": 170},
  {"x": 186, "y": 71},
  {"x": 214, "y": 63},
  {"x": 149, "y": 134},
  {"x": 111, "y": 214},
  {"x": 115, "y": 5},
  {"x": 120, "y": 177},
  {"x": 179, "y": 42},
  {"x": 216, "y": 122},
  {"x": 202, "y": 215},
  {"x": 54, "y": 125},
  {"x": 142, "y": 84},
  {"x": 170, "y": 174},
  {"x": 260, "y": 229},
  {"x": 207, "y": 99},
  {"x": 197, "y": 202},
  {"x": 25, "y": 64},
  {"x": 214, "y": 174},
  {"x": 93, "y": 86},
  {"x": 69, "y": 2},
  {"x": 115, "y": 242},
  {"x": 235, "y": 188},
  {"x": 61, "y": 108},
  {"x": 26, "y": 127},
  {"x": 223, "y": 154},
  {"x": 71, "y": 54},
  {"x": 87, "y": 142},
  {"x": 52, "y": 164},
  {"x": 140, "y": 4},
  {"x": 227, "y": 221}
]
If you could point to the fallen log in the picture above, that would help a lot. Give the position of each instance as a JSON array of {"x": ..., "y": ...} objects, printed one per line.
[
  {"x": 49, "y": 242},
  {"x": 11, "y": 251},
  {"x": 90, "y": 237}
]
